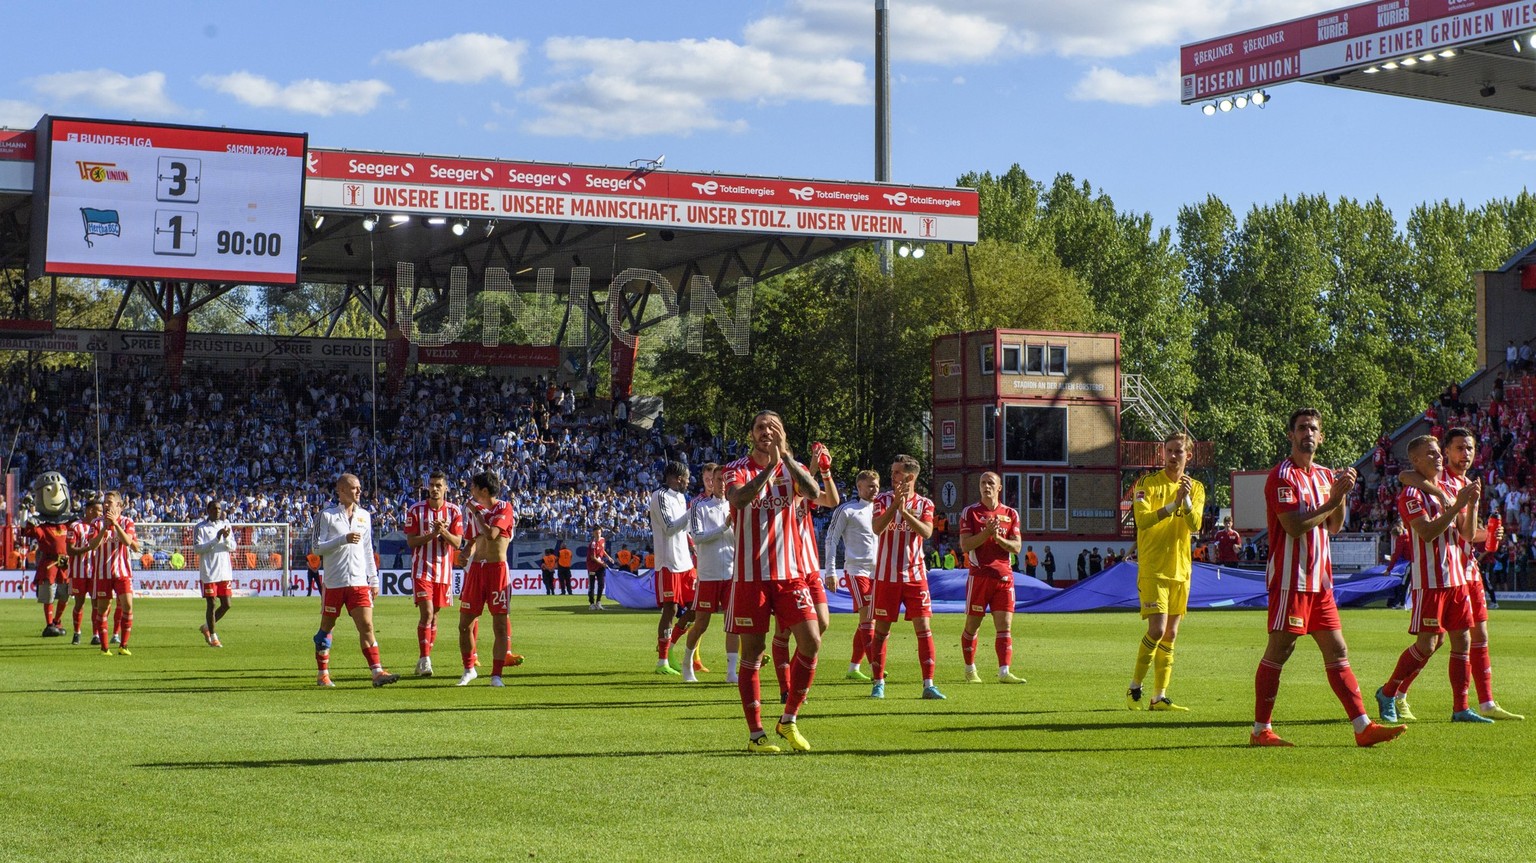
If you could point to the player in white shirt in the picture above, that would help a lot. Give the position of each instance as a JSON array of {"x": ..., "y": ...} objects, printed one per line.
[
  {"x": 852, "y": 526},
  {"x": 676, "y": 579},
  {"x": 213, "y": 540},
  {"x": 709, "y": 525},
  {"x": 344, "y": 538}
]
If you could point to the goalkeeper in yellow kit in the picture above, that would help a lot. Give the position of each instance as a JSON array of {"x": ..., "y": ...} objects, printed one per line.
[{"x": 1168, "y": 506}]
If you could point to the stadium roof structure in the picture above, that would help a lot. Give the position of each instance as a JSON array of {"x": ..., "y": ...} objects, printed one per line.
[
  {"x": 457, "y": 220},
  {"x": 1475, "y": 53}
]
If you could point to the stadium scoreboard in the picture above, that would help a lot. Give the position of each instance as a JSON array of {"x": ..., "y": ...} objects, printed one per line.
[{"x": 135, "y": 200}]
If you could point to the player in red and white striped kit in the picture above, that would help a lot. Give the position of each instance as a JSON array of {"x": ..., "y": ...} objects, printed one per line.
[
  {"x": 766, "y": 490},
  {"x": 1304, "y": 503},
  {"x": 1437, "y": 578},
  {"x": 903, "y": 520},
  {"x": 830, "y": 497},
  {"x": 434, "y": 530},
  {"x": 1460, "y": 449},
  {"x": 115, "y": 538},
  {"x": 82, "y": 561}
]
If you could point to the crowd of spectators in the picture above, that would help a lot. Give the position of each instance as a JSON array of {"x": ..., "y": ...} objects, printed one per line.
[
  {"x": 270, "y": 443},
  {"x": 1506, "y": 463}
]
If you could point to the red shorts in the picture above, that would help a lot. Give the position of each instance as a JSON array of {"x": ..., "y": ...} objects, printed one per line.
[
  {"x": 1479, "y": 599},
  {"x": 485, "y": 584},
  {"x": 1441, "y": 609},
  {"x": 713, "y": 596},
  {"x": 818, "y": 590},
  {"x": 1302, "y": 613},
  {"x": 335, "y": 600},
  {"x": 82, "y": 588},
  {"x": 890, "y": 596},
  {"x": 861, "y": 588},
  {"x": 436, "y": 591},
  {"x": 674, "y": 586},
  {"x": 984, "y": 593},
  {"x": 756, "y": 604},
  {"x": 106, "y": 588},
  {"x": 214, "y": 589}
]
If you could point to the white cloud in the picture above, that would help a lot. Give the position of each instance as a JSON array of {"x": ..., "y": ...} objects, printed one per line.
[
  {"x": 465, "y": 58},
  {"x": 15, "y": 114},
  {"x": 920, "y": 32},
  {"x": 1521, "y": 155},
  {"x": 642, "y": 88},
  {"x": 138, "y": 95},
  {"x": 308, "y": 96},
  {"x": 1102, "y": 84}
]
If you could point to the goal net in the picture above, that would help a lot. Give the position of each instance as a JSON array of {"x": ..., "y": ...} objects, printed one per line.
[{"x": 167, "y": 563}]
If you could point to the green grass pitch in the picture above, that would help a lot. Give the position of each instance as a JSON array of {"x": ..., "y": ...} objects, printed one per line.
[{"x": 181, "y": 752}]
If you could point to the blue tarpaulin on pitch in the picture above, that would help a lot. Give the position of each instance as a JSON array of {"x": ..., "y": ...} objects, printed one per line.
[{"x": 1212, "y": 587}]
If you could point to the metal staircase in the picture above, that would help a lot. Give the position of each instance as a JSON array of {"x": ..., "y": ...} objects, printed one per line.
[{"x": 1138, "y": 396}]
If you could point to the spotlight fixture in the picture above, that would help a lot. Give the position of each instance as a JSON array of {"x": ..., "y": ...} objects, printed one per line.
[
  {"x": 317, "y": 218},
  {"x": 437, "y": 220},
  {"x": 1208, "y": 109},
  {"x": 460, "y": 227},
  {"x": 1516, "y": 43},
  {"x": 1487, "y": 91},
  {"x": 490, "y": 227},
  {"x": 399, "y": 219},
  {"x": 1409, "y": 61},
  {"x": 646, "y": 165},
  {"x": 370, "y": 221},
  {"x": 1389, "y": 65},
  {"x": 667, "y": 235},
  {"x": 1449, "y": 52},
  {"x": 1241, "y": 101},
  {"x": 1372, "y": 70},
  {"x": 1224, "y": 105},
  {"x": 1260, "y": 97},
  {"x": 635, "y": 236},
  {"x": 1531, "y": 40},
  {"x": 918, "y": 251}
]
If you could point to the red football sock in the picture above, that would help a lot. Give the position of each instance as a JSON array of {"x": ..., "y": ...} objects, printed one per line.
[
  {"x": 127, "y": 629},
  {"x": 79, "y": 610},
  {"x": 1342, "y": 678},
  {"x": 861, "y": 641},
  {"x": 1409, "y": 664},
  {"x": 679, "y": 630},
  {"x": 424, "y": 638},
  {"x": 1402, "y": 688},
  {"x": 747, "y": 686},
  {"x": 801, "y": 672},
  {"x": 47, "y": 614},
  {"x": 1266, "y": 685},
  {"x": 968, "y": 647},
  {"x": 323, "y": 660},
  {"x": 925, "y": 654},
  {"x": 877, "y": 641},
  {"x": 468, "y": 656},
  {"x": 99, "y": 627},
  {"x": 372, "y": 655},
  {"x": 431, "y": 637},
  {"x": 1004, "y": 645},
  {"x": 662, "y": 647},
  {"x": 117, "y": 621},
  {"x": 1461, "y": 670},
  {"x": 1482, "y": 671},
  {"x": 502, "y": 646},
  {"x": 781, "y": 659}
]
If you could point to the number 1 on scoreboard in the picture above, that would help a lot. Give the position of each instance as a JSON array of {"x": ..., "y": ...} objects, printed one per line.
[{"x": 176, "y": 232}]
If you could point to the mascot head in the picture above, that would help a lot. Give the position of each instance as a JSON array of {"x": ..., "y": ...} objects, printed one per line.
[{"x": 50, "y": 494}]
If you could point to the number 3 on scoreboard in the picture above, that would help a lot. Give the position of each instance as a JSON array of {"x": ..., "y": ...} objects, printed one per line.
[
  {"x": 178, "y": 179},
  {"x": 175, "y": 232}
]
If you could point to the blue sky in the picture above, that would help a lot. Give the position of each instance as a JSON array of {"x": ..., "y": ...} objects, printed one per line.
[{"x": 782, "y": 88}]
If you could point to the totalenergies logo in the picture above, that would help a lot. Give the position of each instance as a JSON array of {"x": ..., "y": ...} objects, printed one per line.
[
  {"x": 102, "y": 172},
  {"x": 805, "y": 193},
  {"x": 899, "y": 199}
]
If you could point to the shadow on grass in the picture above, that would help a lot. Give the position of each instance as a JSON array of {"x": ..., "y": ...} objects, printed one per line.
[
  {"x": 288, "y": 763},
  {"x": 588, "y": 705},
  {"x": 607, "y": 609},
  {"x": 1105, "y": 726}
]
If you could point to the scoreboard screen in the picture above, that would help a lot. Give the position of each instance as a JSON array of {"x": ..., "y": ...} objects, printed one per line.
[{"x": 133, "y": 200}]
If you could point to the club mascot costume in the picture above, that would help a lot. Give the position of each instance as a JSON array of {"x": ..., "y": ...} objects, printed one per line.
[{"x": 48, "y": 525}]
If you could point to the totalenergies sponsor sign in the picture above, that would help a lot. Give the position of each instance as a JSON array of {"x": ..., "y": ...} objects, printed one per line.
[
  {"x": 453, "y": 187},
  {"x": 1343, "y": 40}
]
